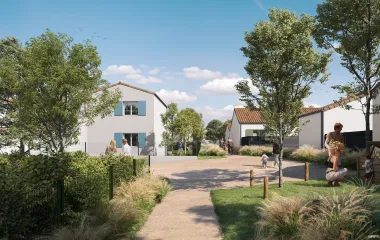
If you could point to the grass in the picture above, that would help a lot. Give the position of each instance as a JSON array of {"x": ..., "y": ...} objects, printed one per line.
[
  {"x": 237, "y": 209},
  {"x": 210, "y": 157}
]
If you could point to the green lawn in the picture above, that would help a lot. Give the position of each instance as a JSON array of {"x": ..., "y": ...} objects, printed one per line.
[
  {"x": 236, "y": 208},
  {"x": 210, "y": 157}
]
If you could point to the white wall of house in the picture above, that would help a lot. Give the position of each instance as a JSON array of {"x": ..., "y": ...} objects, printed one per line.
[
  {"x": 102, "y": 131},
  {"x": 159, "y": 109},
  {"x": 376, "y": 122},
  {"x": 352, "y": 120},
  {"x": 310, "y": 133},
  {"x": 82, "y": 140},
  {"x": 235, "y": 131},
  {"x": 245, "y": 127}
]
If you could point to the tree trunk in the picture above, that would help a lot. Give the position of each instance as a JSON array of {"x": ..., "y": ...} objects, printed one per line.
[
  {"x": 280, "y": 182},
  {"x": 367, "y": 128},
  {"x": 22, "y": 148},
  {"x": 185, "y": 146}
]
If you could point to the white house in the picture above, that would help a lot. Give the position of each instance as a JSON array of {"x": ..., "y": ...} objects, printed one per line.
[
  {"x": 136, "y": 118},
  {"x": 322, "y": 120},
  {"x": 247, "y": 122},
  {"x": 228, "y": 132}
]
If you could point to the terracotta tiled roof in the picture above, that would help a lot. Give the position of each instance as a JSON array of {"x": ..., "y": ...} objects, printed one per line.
[
  {"x": 134, "y": 87},
  {"x": 332, "y": 105},
  {"x": 229, "y": 126},
  {"x": 244, "y": 115}
]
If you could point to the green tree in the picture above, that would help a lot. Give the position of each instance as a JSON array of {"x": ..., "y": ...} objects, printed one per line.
[
  {"x": 168, "y": 120},
  {"x": 224, "y": 128},
  {"x": 352, "y": 29},
  {"x": 56, "y": 94},
  {"x": 214, "y": 130},
  {"x": 189, "y": 125},
  {"x": 282, "y": 65}
]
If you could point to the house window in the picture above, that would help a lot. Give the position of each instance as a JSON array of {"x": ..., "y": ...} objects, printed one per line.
[
  {"x": 132, "y": 139},
  {"x": 131, "y": 108}
]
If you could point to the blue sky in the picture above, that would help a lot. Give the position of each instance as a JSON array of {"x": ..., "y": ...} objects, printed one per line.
[{"x": 185, "y": 50}]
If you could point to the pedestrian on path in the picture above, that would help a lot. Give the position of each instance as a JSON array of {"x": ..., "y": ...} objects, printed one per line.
[
  {"x": 335, "y": 136},
  {"x": 126, "y": 148},
  {"x": 264, "y": 160},
  {"x": 230, "y": 145},
  {"x": 276, "y": 154},
  {"x": 112, "y": 147}
]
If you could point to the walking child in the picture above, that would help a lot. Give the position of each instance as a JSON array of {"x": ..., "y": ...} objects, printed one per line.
[{"x": 264, "y": 159}]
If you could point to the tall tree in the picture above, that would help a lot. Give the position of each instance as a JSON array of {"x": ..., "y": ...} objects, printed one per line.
[
  {"x": 168, "y": 120},
  {"x": 352, "y": 29},
  {"x": 213, "y": 130},
  {"x": 10, "y": 54},
  {"x": 56, "y": 93},
  {"x": 282, "y": 65},
  {"x": 189, "y": 125}
]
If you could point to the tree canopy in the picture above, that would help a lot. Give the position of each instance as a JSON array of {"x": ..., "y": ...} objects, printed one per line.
[
  {"x": 283, "y": 65},
  {"x": 352, "y": 29},
  {"x": 214, "y": 130},
  {"x": 168, "y": 120},
  {"x": 56, "y": 94}
]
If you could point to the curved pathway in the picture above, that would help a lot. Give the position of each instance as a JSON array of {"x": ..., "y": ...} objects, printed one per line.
[{"x": 187, "y": 212}]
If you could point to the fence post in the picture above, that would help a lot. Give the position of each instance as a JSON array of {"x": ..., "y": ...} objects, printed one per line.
[
  {"x": 266, "y": 188},
  {"x": 59, "y": 201},
  {"x": 138, "y": 149},
  {"x": 251, "y": 178},
  {"x": 85, "y": 147},
  {"x": 306, "y": 171},
  {"x": 134, "y": 168},
  {"x": 148, "y": 163},
  {"x": 110, "y": 175}
]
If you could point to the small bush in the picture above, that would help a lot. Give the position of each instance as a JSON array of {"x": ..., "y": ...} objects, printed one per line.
[
  {"x": 212, "y": 150},
  {"x": 260, "y": 150},
  {"x": 307, "y": 153},
  {"x": 333, "y": 217},
  {"x": 350, "y": 157}
]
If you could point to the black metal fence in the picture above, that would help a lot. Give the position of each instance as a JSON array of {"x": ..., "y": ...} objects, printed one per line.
[{"x": 354, "y": 140}]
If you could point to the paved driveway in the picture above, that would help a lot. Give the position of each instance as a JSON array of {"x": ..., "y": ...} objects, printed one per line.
[{"x": 187, "y": 212}]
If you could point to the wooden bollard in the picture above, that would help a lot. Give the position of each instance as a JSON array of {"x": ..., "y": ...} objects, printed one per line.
[
  {"x": 306, "y": 171},
  {"x": 266, "y": 191},
  {"x": 251, "y": 178}
]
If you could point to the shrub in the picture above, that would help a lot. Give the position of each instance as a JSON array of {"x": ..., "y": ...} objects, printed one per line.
[
  {"x": 212, "y": 150},
  {"x": 260, "y": 150},
  {"x": 333, "y": 217},
  {"x": 309, "y": 154},
  {"x": 350, "y": 157}
]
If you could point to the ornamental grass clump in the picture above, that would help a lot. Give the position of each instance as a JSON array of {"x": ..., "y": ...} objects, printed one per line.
[
  {"x": 319, "y": 217},
  {"x": 212, "y": 150}
]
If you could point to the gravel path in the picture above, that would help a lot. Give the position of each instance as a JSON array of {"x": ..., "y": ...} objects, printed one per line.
[{"x": 187, "y": 212}]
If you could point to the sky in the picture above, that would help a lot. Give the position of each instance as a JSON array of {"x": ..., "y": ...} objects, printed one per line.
[{"x": 187, "y": 51}]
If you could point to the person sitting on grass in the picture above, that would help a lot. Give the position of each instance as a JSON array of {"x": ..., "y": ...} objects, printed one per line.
[
  {"x": 264, "y": 159},
  {"x": 369, "y": 169},
  {"x": 333, "y": 174}
]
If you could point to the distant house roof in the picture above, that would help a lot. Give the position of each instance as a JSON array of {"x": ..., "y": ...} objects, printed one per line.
[
  {"x": 134, "y": 87},
  {"x": 336, "y": 104},
  {"x": 245, "y": 115}
]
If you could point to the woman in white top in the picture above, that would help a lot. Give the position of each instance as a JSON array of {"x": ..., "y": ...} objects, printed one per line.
[
  {"x": 126, "y": 148},
  {"x": 112, "y": 147}
]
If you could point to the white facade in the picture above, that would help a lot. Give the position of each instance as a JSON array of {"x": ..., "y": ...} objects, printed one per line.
[
  {"x": 376, "y": 122},
  {"x": 95, "y": 138},
  {"x": 235, "y": 131},
  {"x": 322, "y": 122},
  {"x": 311, "y": 131},
  {"x": 228, "y": 133}
]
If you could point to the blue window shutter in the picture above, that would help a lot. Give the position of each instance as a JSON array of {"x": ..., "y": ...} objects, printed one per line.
[
  {"x": 118, "y": 137},
  {"x": 142, "y": 139},
  {"x": 119, "y": 109},
  {"x": 142, "y": 108}
]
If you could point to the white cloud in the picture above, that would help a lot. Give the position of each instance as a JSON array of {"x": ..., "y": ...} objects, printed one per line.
[
  {"x": 222, "y": 114},
  {"x": 197, "y": 73},
  {"x": 176, "y": 96},
  {"x": 233, "y": 75},
  {"x": 223, "y": 86},
  {"x": 307, "y": 104},
  {"x": 143, "y": 66},
  {"x": 142, "y": 79},
  {"x": 154, "y": 71},
  {"x": 121, "y": 70}
]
